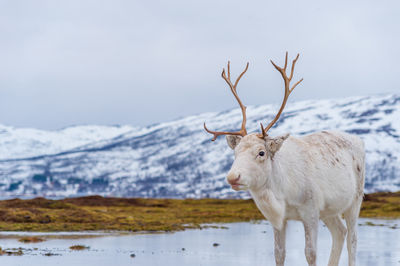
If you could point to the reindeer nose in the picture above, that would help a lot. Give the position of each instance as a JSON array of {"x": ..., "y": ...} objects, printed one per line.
[{"x": 233, "y": 178}]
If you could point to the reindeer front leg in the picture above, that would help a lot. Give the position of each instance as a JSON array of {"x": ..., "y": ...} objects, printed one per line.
[
  {"x": 311, "y": 232},
  {"x": 280, "y": 245}
]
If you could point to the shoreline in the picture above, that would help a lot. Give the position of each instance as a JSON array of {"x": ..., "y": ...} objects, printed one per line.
[
  {"x": 134, "y": 215},
  {"x": 33, "y": 236}
]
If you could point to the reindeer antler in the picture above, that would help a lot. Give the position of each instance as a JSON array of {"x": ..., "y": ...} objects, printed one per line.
[
  {"x": 242, "y": 131},
  {"x": 288, "y": 90}
]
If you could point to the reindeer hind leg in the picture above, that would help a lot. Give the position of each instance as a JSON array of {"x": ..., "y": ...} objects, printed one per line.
[
  {"x": 338, "y": 232},
  {"x": 351, "y": 215}
]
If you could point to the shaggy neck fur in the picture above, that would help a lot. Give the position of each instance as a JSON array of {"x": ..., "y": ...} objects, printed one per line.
[{"x": 269, "y": 198}]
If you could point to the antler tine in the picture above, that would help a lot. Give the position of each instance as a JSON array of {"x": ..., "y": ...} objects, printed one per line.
[
  {"x": 242, "y": 131},
  {"x": 293, "y": 64},
  {"x": 229, "y": 70},
  {"x": 240, "y": 76},
  {"x": 294, "y": 86},
  {"x": 286, "y": 56},
  {"x": 281, "y": 70},
  {"x": 264, "y": 134},
  {"x": 220, "y": 133},
  {"x": 288, "y": 90},
  {"x": 227, "y": 79}
]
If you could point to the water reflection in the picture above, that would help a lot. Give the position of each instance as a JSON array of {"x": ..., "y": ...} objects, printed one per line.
[{"x": 241, "y": 244}]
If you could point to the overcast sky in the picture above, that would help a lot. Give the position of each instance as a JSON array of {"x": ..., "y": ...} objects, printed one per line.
[{"x": 70, "y": 62}]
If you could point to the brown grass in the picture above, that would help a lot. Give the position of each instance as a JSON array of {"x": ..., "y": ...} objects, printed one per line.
[
  {"x": 78, "y": 247},
  {"x": 137, "y": 214},
  {"x": 31, "y": 239},
  {"x": 382, "y": 205},
  {"x": 11, "y": 252}
]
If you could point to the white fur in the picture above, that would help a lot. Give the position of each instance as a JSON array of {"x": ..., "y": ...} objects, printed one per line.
[{"x": 318, "y": 176}]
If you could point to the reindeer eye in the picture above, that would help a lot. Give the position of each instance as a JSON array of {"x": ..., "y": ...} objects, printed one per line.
[{"x": 261, "y": 153}]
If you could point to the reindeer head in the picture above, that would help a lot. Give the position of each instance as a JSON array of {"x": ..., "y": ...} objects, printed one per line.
[{"x": 254, "y": 153}]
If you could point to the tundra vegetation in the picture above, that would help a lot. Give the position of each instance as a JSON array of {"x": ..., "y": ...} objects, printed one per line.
[
  {"x": 31, "y": 239},
  {"x": 78, "y": 247},
  {"x": 136, "y": 214}
]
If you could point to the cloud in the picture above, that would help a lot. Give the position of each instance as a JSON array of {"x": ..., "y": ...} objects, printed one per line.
[{"x": 140, "y": 62}]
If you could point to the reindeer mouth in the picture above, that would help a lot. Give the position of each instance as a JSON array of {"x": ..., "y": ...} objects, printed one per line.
[{"x": 239, "y": 187}]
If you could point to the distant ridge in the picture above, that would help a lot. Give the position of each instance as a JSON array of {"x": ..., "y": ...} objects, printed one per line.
[{"x": 177, "y": 159}]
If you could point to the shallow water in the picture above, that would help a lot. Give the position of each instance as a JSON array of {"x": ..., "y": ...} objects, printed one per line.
[{"x": 240, "y": 244}]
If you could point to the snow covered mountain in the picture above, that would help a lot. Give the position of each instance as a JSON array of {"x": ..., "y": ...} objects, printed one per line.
[{"x": 177, "y": 159}]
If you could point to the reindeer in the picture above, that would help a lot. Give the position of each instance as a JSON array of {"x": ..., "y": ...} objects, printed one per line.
[{"x": 317, "y": 176}]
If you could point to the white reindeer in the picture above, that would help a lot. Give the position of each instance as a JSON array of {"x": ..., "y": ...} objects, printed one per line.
[{"x": 318, "y": 176}]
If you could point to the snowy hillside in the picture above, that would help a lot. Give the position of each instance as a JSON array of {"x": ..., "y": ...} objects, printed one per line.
[
  {"x": 177, "y": 159},
  {"x": 26, "y": 142}
]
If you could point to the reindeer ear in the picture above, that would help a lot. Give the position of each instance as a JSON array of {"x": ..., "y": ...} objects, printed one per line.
[
  {"x": 274, "y": 144},
  {"x": 233, "y": 140}
]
